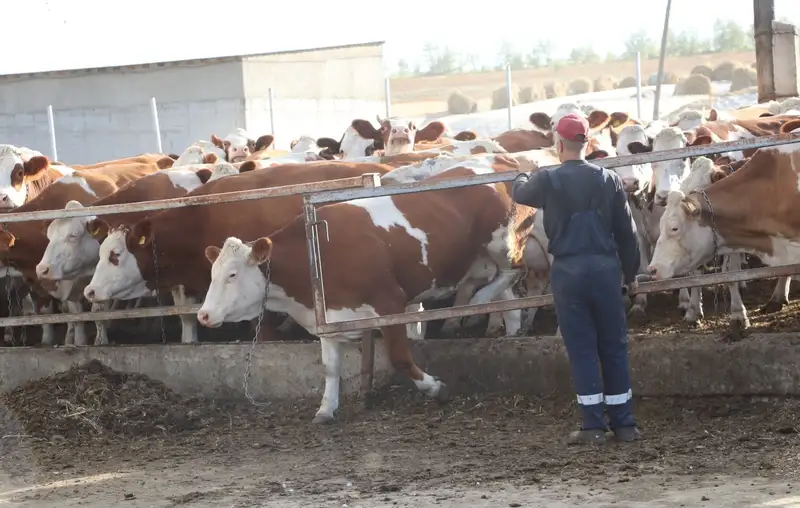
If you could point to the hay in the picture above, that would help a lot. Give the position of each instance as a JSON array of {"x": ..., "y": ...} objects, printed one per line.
[
  {"x": 460, "y": 103},
  {"x": 92, "y": 400},
  {"x": 742, "y": 78},
  {"x": 705, "y": 70},
  {"x": 579, "y": 86},
  {"x": 555, "y": 89},
  {"x": 628, "y": 82},
  {"x": 500, "y": 97},
  {"x": 724, "y": 71},
  {"x": 669, "y": 78},
  {"x": 604, "y": 83},
  {"x": 532, "y": 93},
  {"x": 696, "y": 84}
]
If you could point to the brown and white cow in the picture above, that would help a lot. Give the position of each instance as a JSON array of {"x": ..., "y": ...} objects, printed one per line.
[
  {"x": 74, "y": 243},
  {"x": 23, "y": 180},
  {"x": 394, "y": 135},
  {"x": 755, "y": 211},
  {"x": 238, "y": 144},
  {"x": 410, "y": 247},
  {"x": 145, "y": 158},
  {"x": 22, "y": 244},
  {"x": 157, "y": 253}
]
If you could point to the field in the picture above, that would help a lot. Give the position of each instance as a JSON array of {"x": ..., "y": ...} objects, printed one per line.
[{"x": 419, "y": 96}]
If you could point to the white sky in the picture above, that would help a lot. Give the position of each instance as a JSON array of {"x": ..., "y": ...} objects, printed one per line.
[{"x": 42, "y": 35}]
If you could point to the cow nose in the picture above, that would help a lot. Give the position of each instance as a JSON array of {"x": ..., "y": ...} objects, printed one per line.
[
  {"x": 42, "y": 270},
  {"x": 202, "y": 317},
  {"x": 653, "y": 271},
  {"x": 89, "y": 294}
]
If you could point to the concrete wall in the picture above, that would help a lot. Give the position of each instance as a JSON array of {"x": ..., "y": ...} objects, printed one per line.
[
  {"x": 105, "y": 114},
  {"x": 316, "y": 93},
  {"x": 693, "y": 365}
]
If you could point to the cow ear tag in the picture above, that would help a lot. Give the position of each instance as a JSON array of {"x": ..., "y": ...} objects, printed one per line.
[{"x": 141, "y": 240}]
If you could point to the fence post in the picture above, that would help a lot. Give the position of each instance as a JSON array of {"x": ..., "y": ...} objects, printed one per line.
[
  {"x": 271, "y": 98},
  {"x": 387, "y": 91},
  {"x": 508, "y": 94},
  {"x": 156, "y": 126},
  {"x": 638, "y": 74},
  {"x": 661, "y": 56},
  {"x": 51, "y": 125}
]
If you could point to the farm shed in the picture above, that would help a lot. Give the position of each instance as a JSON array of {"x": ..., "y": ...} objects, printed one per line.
[{"x": 104, "y": 113}]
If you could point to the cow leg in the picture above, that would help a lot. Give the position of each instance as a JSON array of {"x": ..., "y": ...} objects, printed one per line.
[
  {"x": 101, "y": 338},
  {"x": 739, "y": 319},
  {"x": 511, "y": 319},
  {"x": 332, "y": 361},
  {"x": 482, "y": 271},
  {"x": 416, "y": 330},
  {"x": 640, "y": 300},
  {"x": 286, "y": 325},
  {"x": 780, "y": 296},
  {"x": 188, "y": 322},
  {"x": 684, "y": 299},
  {"x": 48, "y": 331},
  {"x": 79, "y": 329},
  {"x": 400, "y": 356},
  {"x": 695, "y": 311}
]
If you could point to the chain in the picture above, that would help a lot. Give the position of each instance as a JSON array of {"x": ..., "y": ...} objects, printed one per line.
[
  {"x": 714, "y": 236},
  {"x": 158, "y": 290},
  {"x": 9, "y": 329},
  {"x": 266, "y": 271}
]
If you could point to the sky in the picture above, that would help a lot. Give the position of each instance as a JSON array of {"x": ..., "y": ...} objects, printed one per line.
[{"x": 71, "y": 34}]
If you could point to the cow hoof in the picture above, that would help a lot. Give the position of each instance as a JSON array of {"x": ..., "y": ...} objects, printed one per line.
[
  {"x": 772, "y": 306},
  {"x": 443, "y": 396},
  {"x": 323, "y": 419}
]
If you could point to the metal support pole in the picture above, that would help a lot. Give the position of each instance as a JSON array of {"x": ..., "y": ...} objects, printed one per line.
[
  {"x": 638, "y": 70},
  {"x": 661, "y": 58},
  {"x": 387, "y": 92},
  {"x": 51, "y": 124},
  {"x": 272, "y": 113},
  {"x": 763, "y": 16},
  {"x": 508, "y": 95},
  {"x": 156, "y": 126}
]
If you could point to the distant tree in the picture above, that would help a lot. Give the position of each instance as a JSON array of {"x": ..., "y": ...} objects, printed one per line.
[
  {"x": 730, "y": 36},
  {"x": 509, "y": 55},
  {"x": 441, "y": 60},
  {"x": 541, "y": 55},
  {"x": 582, "y": 56},
  {"x": 640, "y": 42},
  {"x": 403, "y": 69},
  {"x": 687, "y": 44}
]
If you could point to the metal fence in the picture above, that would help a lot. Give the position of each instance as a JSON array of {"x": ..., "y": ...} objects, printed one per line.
[{"x": 366, "y": 186}]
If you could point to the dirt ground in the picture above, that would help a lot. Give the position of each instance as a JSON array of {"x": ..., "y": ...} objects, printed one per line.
[
  {"x": 62, "y": 446},
  {"x": 427, "y": 95}
]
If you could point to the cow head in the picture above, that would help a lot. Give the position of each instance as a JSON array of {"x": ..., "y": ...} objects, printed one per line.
[
  {"x": 15, "y": 173},
  {"x": 237, "y": 287},
  {"x": 72, "y": 250},
  {"x": 238, "y": 145},
  {"x": 631, "y": 140},
  {"x": 669, "y": 175},
  {"x": 394, "y": 135}
]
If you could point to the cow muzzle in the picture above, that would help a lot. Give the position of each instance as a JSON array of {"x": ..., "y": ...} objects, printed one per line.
[{"x": 204, "y": 318}]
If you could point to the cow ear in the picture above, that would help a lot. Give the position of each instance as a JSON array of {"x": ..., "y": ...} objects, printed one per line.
[
  {"x": 598, "y": 119},
  {"x": 36, "y": 165},
  {"x": 212, "y": 253},
  {"x": 635, "y": 147},
  {"x": 261, "y": 250},
  {"x": 98, "y": 228},
  {"x": 6, "y": 241},
  {"x": 690, "y": 207},
  {"x": 618, "y": 118},
  {"x": 141, "y": 235},
  {"x": 247, "y": 166},
  {"x": 210, "y": 158},
  {"x": 216, "y": 141},
  {"x": 203, "y": 174},
  {"x": 541, "y": 120},
  {"x": 165, "y": 162},
  {"x": 264, "y": 142}
]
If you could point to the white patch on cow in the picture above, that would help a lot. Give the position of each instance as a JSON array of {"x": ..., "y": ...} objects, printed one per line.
[
  {"x": 183, "y": 178},
  {"x": 354, "y": 146},
  {"x": 690, "y": 119},
  {"x": 222, "y": 169},
  {"x": 71, "y": 251},
  {"x": 64, "y": 170},
  {"x": 385, "y": 214},
  {"x": 669, "y": 174},
  {"x": 123, "y": 281},
  {"x": 76, "y": 180},
  {"x": 305, "y": 144},
  {"x": 465, "y": 148},
  {"x": 422, "y": 170},
  {"x": 699, "y": 175},
  {"x": 10, "y": 156},
  {"x": 738, "y": 133}
]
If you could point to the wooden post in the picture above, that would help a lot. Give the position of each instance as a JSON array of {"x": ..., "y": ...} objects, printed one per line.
[{"x": 763, "y": 16}]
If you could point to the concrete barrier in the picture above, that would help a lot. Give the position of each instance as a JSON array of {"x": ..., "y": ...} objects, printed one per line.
[{"x": 696, "y": 365}]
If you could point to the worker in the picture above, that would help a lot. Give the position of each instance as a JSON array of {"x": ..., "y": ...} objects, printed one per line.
[{"x": 592, "y": 239}]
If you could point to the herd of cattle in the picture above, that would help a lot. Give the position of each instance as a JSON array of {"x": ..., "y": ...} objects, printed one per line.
[{"x": 385, "y": 255}]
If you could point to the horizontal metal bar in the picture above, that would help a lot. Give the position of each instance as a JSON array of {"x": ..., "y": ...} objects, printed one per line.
[
  {"x": 608, "y": 162},
  {"x": 366, "y": 180},
  {"x": 541, "y": 301},
  {"x": 78, "y": 317},
  {"x": 413, "y": 317}
]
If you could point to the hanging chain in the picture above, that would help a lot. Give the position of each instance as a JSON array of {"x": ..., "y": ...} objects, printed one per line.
[
  {"x": 266, "y": 271},
  {"x": 715, "y": 259}
]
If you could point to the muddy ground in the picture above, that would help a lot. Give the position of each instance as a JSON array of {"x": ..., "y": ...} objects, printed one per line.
[
  {"x": 108, "y": 438},
  {"x": 663, "y": 317}
]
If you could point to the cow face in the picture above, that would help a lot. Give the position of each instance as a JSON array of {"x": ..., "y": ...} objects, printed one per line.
[
  {"x": 398, "y": 135},
  {"x": 118, "y": 275},
  {"x": 15, "y": 172},
  {"x": 237, "y": 145},
  {"x": 683, "y": 243},
  {"x": 71, "y": 250},
  {"x": 237, "y": 287},
  {"x": 633, "y": 139}
]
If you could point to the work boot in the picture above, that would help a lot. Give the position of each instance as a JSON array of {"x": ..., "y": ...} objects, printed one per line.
[
  {"x": 627, "y": 434},
  {"x": 584, "y": 437}
]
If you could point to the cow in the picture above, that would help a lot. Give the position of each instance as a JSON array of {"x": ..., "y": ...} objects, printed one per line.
[
  {"x": 411, "y": 247},
  {"x": 156, "y": 252},
  {"x": 74, "y": 243},
  {"x": 22, "y": 180},
  {"x": 145, "y": 158},
  {"x": 22, "y": 244},
  {"x": 394, "y": 136},
  {"x": 751, "y": 211},
  {"x": 598, "y": 122},
  {"x": 691, "y": 119},
  {"x": 238, "y": 144}
]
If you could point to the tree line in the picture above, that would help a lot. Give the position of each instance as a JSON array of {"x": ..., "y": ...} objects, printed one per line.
[{"x": 726, "y": 37}]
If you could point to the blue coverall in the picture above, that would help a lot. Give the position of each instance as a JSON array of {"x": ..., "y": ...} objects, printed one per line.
[{"x": 591, "y": 232}]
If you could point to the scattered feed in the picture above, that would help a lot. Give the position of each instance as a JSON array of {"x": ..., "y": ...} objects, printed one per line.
[
  {"x": 460, "y": 103},
  {"x": 696, "y": 84},
  {"x": 579, "y": 86}
]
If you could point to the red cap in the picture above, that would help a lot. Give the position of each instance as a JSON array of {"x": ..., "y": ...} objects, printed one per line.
[{"x": 573, "y": 127}]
